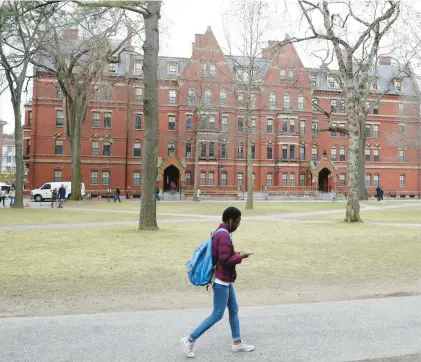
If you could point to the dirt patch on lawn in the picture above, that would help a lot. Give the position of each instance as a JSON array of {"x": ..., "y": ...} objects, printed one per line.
[{"x": 14, "y": 306}]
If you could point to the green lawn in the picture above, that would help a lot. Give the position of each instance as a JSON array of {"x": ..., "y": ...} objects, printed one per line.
[{"x": 294, "y": 258}]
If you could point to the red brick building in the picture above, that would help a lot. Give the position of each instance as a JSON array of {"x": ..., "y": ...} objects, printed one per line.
[{"x": 289, "y": 152}]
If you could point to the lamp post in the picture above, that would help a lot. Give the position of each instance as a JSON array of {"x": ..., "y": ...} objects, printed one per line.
[{"x": 110, "y": 142}]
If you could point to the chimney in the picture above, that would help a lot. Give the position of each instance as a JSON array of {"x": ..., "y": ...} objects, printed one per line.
[
  {"x": 70, "y": 34},
  {"x": 385, "y": 60}
]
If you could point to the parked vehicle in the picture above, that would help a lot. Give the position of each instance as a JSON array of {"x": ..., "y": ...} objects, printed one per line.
[{"x": 45, "y": 192}]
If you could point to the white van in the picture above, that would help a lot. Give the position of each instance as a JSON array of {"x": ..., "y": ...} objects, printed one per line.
[{"x": 45, "y": 192}]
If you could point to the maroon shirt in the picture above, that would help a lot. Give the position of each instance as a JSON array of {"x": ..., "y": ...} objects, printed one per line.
[{"x": 224, "y": 256}]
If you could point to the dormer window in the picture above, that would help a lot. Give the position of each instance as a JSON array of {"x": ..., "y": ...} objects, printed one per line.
[
  {"x": 282, "y": 75},
  {"x": 375, "y": 86},
  {"x": 112, "y": 68},
  {"x": 212, "y": 70},
  {"x": 331, "y": 81},
  {"x": 204, "y": 69},
  {"x": 138, "y": 71},
  {"x": 172, "y": 69},
  {"x": 313, "y": 80},
  {"x": 398, "y": 85}
]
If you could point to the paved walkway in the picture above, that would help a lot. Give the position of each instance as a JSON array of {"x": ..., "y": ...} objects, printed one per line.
[{"x": 327, "y": 331}]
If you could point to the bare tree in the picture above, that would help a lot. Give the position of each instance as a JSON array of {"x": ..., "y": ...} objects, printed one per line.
[
  {"x": 21, "y": 23},
  {"x": 77, "y": 59},
  {"x": 332, "y": 22}
]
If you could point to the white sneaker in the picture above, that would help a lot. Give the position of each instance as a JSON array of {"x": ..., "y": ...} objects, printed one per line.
[
  {"x": 242, "y": 347},
  {"x": 187, "y": 347}
]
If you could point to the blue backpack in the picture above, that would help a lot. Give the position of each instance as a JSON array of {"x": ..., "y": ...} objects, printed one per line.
[{"x": 200, "y": 267}]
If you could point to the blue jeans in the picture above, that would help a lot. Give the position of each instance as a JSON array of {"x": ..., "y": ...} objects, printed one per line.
[{"x": 223, "y": 296}]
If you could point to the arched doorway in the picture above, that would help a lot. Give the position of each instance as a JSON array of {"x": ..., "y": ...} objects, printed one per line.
[
  {"x": 171, "y": 173},
  {"x": 324, "y": 180}
]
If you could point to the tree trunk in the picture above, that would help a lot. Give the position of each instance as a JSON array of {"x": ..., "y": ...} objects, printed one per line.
[
  {"x": 249, "y": 204},
  {"x": 361, "y": 165},
  {"x": 18, "y": 157},
  {"x": 75, "y": 145},
  {"x": 196, "y": 165},
  {"x": 147, "y": 219},
  {"x": 353, "y": 203}
]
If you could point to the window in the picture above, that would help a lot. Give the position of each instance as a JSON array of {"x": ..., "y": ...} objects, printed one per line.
[
  {"x": 108, "y": 93},
  {"x": 171, "y": 123},
  {"x": 105, "y": 177},
  {"x": 212, "y": 149},
  {"x": 97, "y": 94},
  {"x": 315, "y": 128},
  {"x": 375, "y": 130},
  {"x": 342, "y": 125},
  {"x": 303, "y": 126},
  {"x": 223, "y": 179},
  {"x": 285, "y": 125},
  {"x": 269, "y": 126},
  {"x": 402, "y": 181},
  {"x": 401, "y": 156},
  {"x": 284, "y": 179},
  {"x": 314, "y": 153},
  {"x": 172, "y": 69},
  {"x": 224, "y": 150},
  {"x": 342, "y": 180},
  {"x": 333, "y": 133},
  {"x": 138, "y": 71},
  {"x": 376, "y": 180},
  {"x": 272, "y": 100},
  {"x": 187, "y": 177},
  {"x": 398, "y": 85},
  {"x": 302, "y": 179},
  {"x": 333, "y": 153},
  {"x": 57, "y": 175},
  {"x": 300, "y": 103},
  {"x": 342, "y": 154},
  {"x": 138, "y": 121},
  {"x": 375, "y": 84},
  {"x": 331, "y": 81},
  {"x": 282, "y": 75},
  {"x": 188, "y": 149},
  {"x": 367, "y": 180},
  {"x": 314, "y": 103},
  {"x": 292, "y": 152},
  {"x": 269, "y": 152},
  {"x": 203, "y": 178},
  {"x": 203, "y": 150},
  {"x": 333, "y": 105},
  {"x": 367, "y": 155},
  {"x": 204, "y": 69},
  {"x": 284, "y": 152},
  {"x": 376, "y": 109},
  {"x": 292, "y": 179},
  {"x": 189, "y": 122},
  {"x": 253, "y": 101},
  {"x": 139, "y": 95},
  {"x": 106, "y": 148},
  {"x": 59, "y": 118},
  {"x": 203, "y": 121},
  {"x": 136, "y": 178},
  {"x": 313, "y": 80},
  {"x": 107, "y": 120},
  {"x": 239, "y": 179},
  {"x": 29, "y": 118},
  {"x": 376, "y": 156},
  {"x": 191, "y": 96},
  {"x": 253, "y": 152},
  {"x": 94, "y": 177},
  {"x": 224, "y": 124},
  {"x": 400, "y": 109},
  {"x": 59, "y": 147},
  {"x": 173, "y": 96},
  {"x": 112, "y": 68},
  {"x": 222, "y": 98},
  {"x": 269, "y": 179},
  {"x": 302, "y": 153},
  {"x": 211, "y": 121},
  {"x": 28, "y": 147},
  {"x": 290, "y": 75},
  {"x": 211, "y": 180},
  {"x": 342, "y": 106},
  {"x": 96, "y": 120},
  {"x": 286, "y": 101},
  {"x": 137, "y": 149},
  {"x": 240, "y": 99},
  {"x": 95, "y": 148},
  {"x": 208, "y": 96},
  {"x": 59, "y": 93},
  {"x": 212, "y": 69},
  {"x": 171, "y": 147},
  {"x": 401, "y": 128},
  {"x": 253, "y": 125},
  {"x": 368, "y": 130},
  {"x": 240, "y": 150},
  {"x": 292, "y": 125},
  {"x": 240, "y": 124}
]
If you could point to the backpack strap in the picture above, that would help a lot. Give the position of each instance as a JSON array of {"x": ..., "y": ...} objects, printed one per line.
[{"x": 212, "y": 235}]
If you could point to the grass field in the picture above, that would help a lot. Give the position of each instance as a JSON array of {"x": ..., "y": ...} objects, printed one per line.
[{"x": 42, "y": 269}]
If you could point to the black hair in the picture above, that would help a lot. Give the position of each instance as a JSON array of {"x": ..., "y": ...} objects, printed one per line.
[{"x": 231, "y": 213}]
